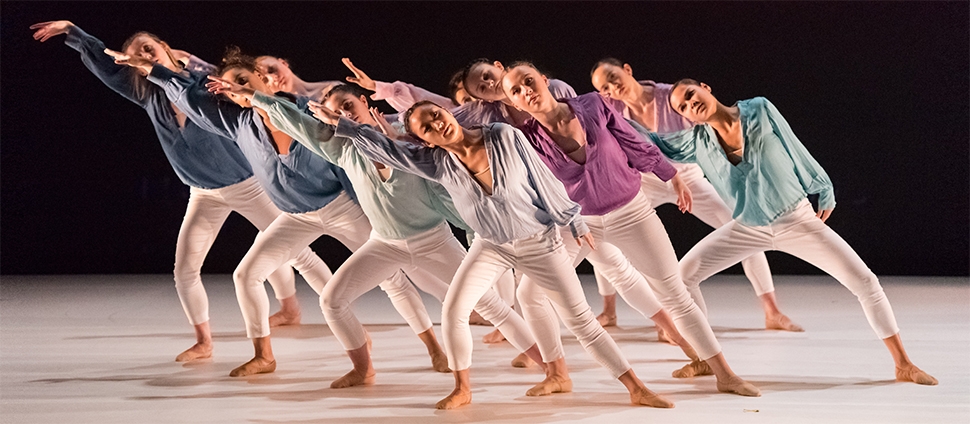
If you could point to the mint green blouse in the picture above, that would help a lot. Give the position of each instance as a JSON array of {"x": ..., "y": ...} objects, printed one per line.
[
  {"x": 775, "y": 173},
  {"x": 402, "y": 206}
]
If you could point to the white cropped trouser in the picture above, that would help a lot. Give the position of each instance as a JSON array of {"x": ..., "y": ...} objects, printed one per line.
[
  {"x": 288, "y": 237},
  {"x": 801, "y": 234},
  {"x": 635, "y": 230},
  {"x": 706, "y": 206},
  {"x": 430, "y": 259},
  {"x": 206, "y": 212}
]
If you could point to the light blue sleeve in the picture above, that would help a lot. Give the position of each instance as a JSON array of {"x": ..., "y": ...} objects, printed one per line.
[
  {"x": 552, "y": 194},
  {"x": 120, "y": 78},
  {"x": 305, "y": 129},
  {"x": 379, "y": 148},
  {"x": 191, "y": 97},
  {"x": 810, "y": 174},
  {"x": 442, "y": 203},
  {"x": 680, "y": 146}
]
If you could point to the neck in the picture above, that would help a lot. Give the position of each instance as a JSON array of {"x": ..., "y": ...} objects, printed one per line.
[
  {"x": 300, "y": 86},
  {"x": 643, "y": 101},
  {"x": 470, "y": 142},
  {"x": 551, "y": 114},
  {"x": 724, "y": 119}
]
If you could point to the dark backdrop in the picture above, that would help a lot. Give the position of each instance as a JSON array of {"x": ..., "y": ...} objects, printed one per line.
[{"x": 877, "y": 91}]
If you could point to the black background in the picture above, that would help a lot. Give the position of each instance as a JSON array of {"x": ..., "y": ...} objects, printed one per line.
[{"x": 878, "y": 92}]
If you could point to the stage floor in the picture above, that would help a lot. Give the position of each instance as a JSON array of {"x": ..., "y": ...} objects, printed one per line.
[{"x": 97, "y": 349}]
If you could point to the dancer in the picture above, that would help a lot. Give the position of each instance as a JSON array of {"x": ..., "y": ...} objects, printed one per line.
[
  {"x": 755, "y": 161},
  {"x": 599, "y": 157},
  {"x": 646, "y": 102},
  {"x": 278, "y": 76},
  {"x": 220, "y": 179},
  {"x": 410, "y": 229},
  {"x": 514, "y": 204},
  {"x": 314, "y": 196}
]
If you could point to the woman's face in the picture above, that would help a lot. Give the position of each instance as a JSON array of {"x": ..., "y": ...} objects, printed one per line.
[
  {"x": 462, "y": 96},
  {"x": 616, "y": 82},
  {"x": 146, "y": 47},
  {"x": 350, "y": 107},
  {"x": 276, "y": 73},
  {"x": 434, "y": 125},
  {"x": 245, "y": 78},
  {"x": 526, "y": 88},
  {"x": 694, "y": 102},
  {"x": 484, "y": 81}
]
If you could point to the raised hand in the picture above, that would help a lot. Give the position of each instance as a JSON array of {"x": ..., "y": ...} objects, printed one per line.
[
  {"x": 359, "y": 78},
  {"x": 218, "y": 85},
  {"x": 321, "y": 112},
  {"x": 385, "y": 127},
  {"x": 136, "y": 61},
  {"x": 46, "y": 30}
]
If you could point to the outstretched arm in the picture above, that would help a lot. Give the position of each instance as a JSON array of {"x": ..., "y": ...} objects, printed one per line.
[
  {"x": 399, "y": 95},
  {"x": 203, "y": 108},
  {"x": 378, "y": 147},
  {"x": 122, "y": 79}
]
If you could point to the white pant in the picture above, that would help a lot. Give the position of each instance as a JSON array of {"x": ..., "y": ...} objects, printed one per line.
[
  {"x": 288, "y": 237},
  {"x": 206, "y": 212},
  {"x": 801, "y": 234},
  {"x": 710, "y": 209},
  {"x": 548, "y": 271},
  {"x": 636, "y": 231},
  {"x": 430, "y": 258}
]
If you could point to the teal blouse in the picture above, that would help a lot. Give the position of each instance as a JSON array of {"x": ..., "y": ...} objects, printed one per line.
[
  {"x": 775, "y": 173},
  {"x": 402, "y": 206}
]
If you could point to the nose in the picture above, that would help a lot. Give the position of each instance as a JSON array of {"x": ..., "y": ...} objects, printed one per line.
[
  {"x": 146, "y": 55},
  {"x": 439, "y": 125}
]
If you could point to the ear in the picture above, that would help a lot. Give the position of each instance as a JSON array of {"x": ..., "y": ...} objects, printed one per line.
[
  {"x": 283, "y": 62},
  {"x": 545, "y": 78},
  {"x": 363, "y": 99},
  {"x": 498, "y": 65},
  {"x": 706, "y": 87},
  {"x": 627, "y": 69}
]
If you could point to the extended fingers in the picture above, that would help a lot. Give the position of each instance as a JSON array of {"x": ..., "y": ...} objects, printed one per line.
[{"x": 41, "y": 24}]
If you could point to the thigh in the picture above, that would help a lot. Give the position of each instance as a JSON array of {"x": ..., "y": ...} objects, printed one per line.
[
  {"x": 479, "y": 270},
  {"x": 204, "y": 216},
  {"x": 707, "y": 204},
  {"x": 250, "y": 201},
  {"x": 816, "y": 243},
  {"x": 365, "y": 269},
  {"x": 656, "y": 190},
  {"x": 347, "y": 224},
  {"x": 282, "y": 240}
]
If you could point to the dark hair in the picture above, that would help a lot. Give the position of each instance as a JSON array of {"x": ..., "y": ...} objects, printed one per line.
[
  {"x": 681, "y": 81},
  {"x": 456, "y": 82},
  {"x": 605, "y": 61},
  {"x": 407, "y": 116},
  {"x": 518, "y": 63},
  {"x": 463, "y": 74},
  {"x": 234, "y": 58},
  {"x": 351, "y": 89}
]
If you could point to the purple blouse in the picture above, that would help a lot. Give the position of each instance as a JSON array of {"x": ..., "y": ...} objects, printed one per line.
[{"x": 616, "y": 154}]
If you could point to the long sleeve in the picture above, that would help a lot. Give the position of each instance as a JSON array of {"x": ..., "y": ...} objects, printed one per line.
[
  {"x": 680, "y": 146},
  {"x": 643, "y": 156},
  {"x": 561, "y": 90},
  {"x": 376, "y": 146},
  {"x": 401, "y": 95},
  {"x": 122, "y": 79},
  {"x": 203, "y": 108},
  {"x": 810, "y": 174},
  {"x": 196, "y": 64},
  {"x": 442, "y": 203},
  {"x": 305, "y": 129},
  {"x": 552, "y": 195}
]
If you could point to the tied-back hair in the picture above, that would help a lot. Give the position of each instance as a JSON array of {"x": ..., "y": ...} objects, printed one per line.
[
  {"x": 457, "y": 81},
  {"x": 682, "y": 81},
  {"x": 234, "y": 58},
  {"x": 463, "y": 74},
  {"x": 605, "y": 61},
  {"x": 351, "y": 89},
  {"x": 407, "y": 116}
]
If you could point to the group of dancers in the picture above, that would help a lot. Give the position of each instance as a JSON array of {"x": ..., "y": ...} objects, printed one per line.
[{"x": 538, "y": 176}]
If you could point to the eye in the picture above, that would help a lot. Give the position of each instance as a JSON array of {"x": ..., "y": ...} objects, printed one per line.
[
  {"x": 528, "y": 81},
  {"x": 515, "y": 90},
  {"x": 435, "y": 114}
]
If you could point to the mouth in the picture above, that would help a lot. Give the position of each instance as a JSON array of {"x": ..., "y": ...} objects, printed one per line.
[
  {"x": 533, "y": 99},
  {"x": 449, "y": 130},
  {"x": 700, "y": 108}
]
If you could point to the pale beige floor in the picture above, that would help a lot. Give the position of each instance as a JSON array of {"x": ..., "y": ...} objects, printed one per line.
[{"x": 100, "y": 350}]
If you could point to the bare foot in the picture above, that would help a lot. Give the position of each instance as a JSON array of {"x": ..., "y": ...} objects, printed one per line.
[
  {"x": 693, "y": 369},
  {"x": 439, "y": 361},
  {"x": 476, "y": 319},
  {"x": 197, "y": 351},
  {"x": 737, "y": 385},
  {"x": 494, "y": 337},
  {"x": 254, "y": 366},
  {"x": 282, "y": 318},
  {"x": 916, "y": 375},
  {"x": 522, "y": 361},
  {"x": 454, "y": 400},
  {"x": 606, "y": 320},
  {"x": 783, "y": 323},
  {"x": 353, "y": 378},
  {"x": 643, "y": 396},
  {"x": 663, "y": 337},
  {"x": 551, "y": 385}
]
